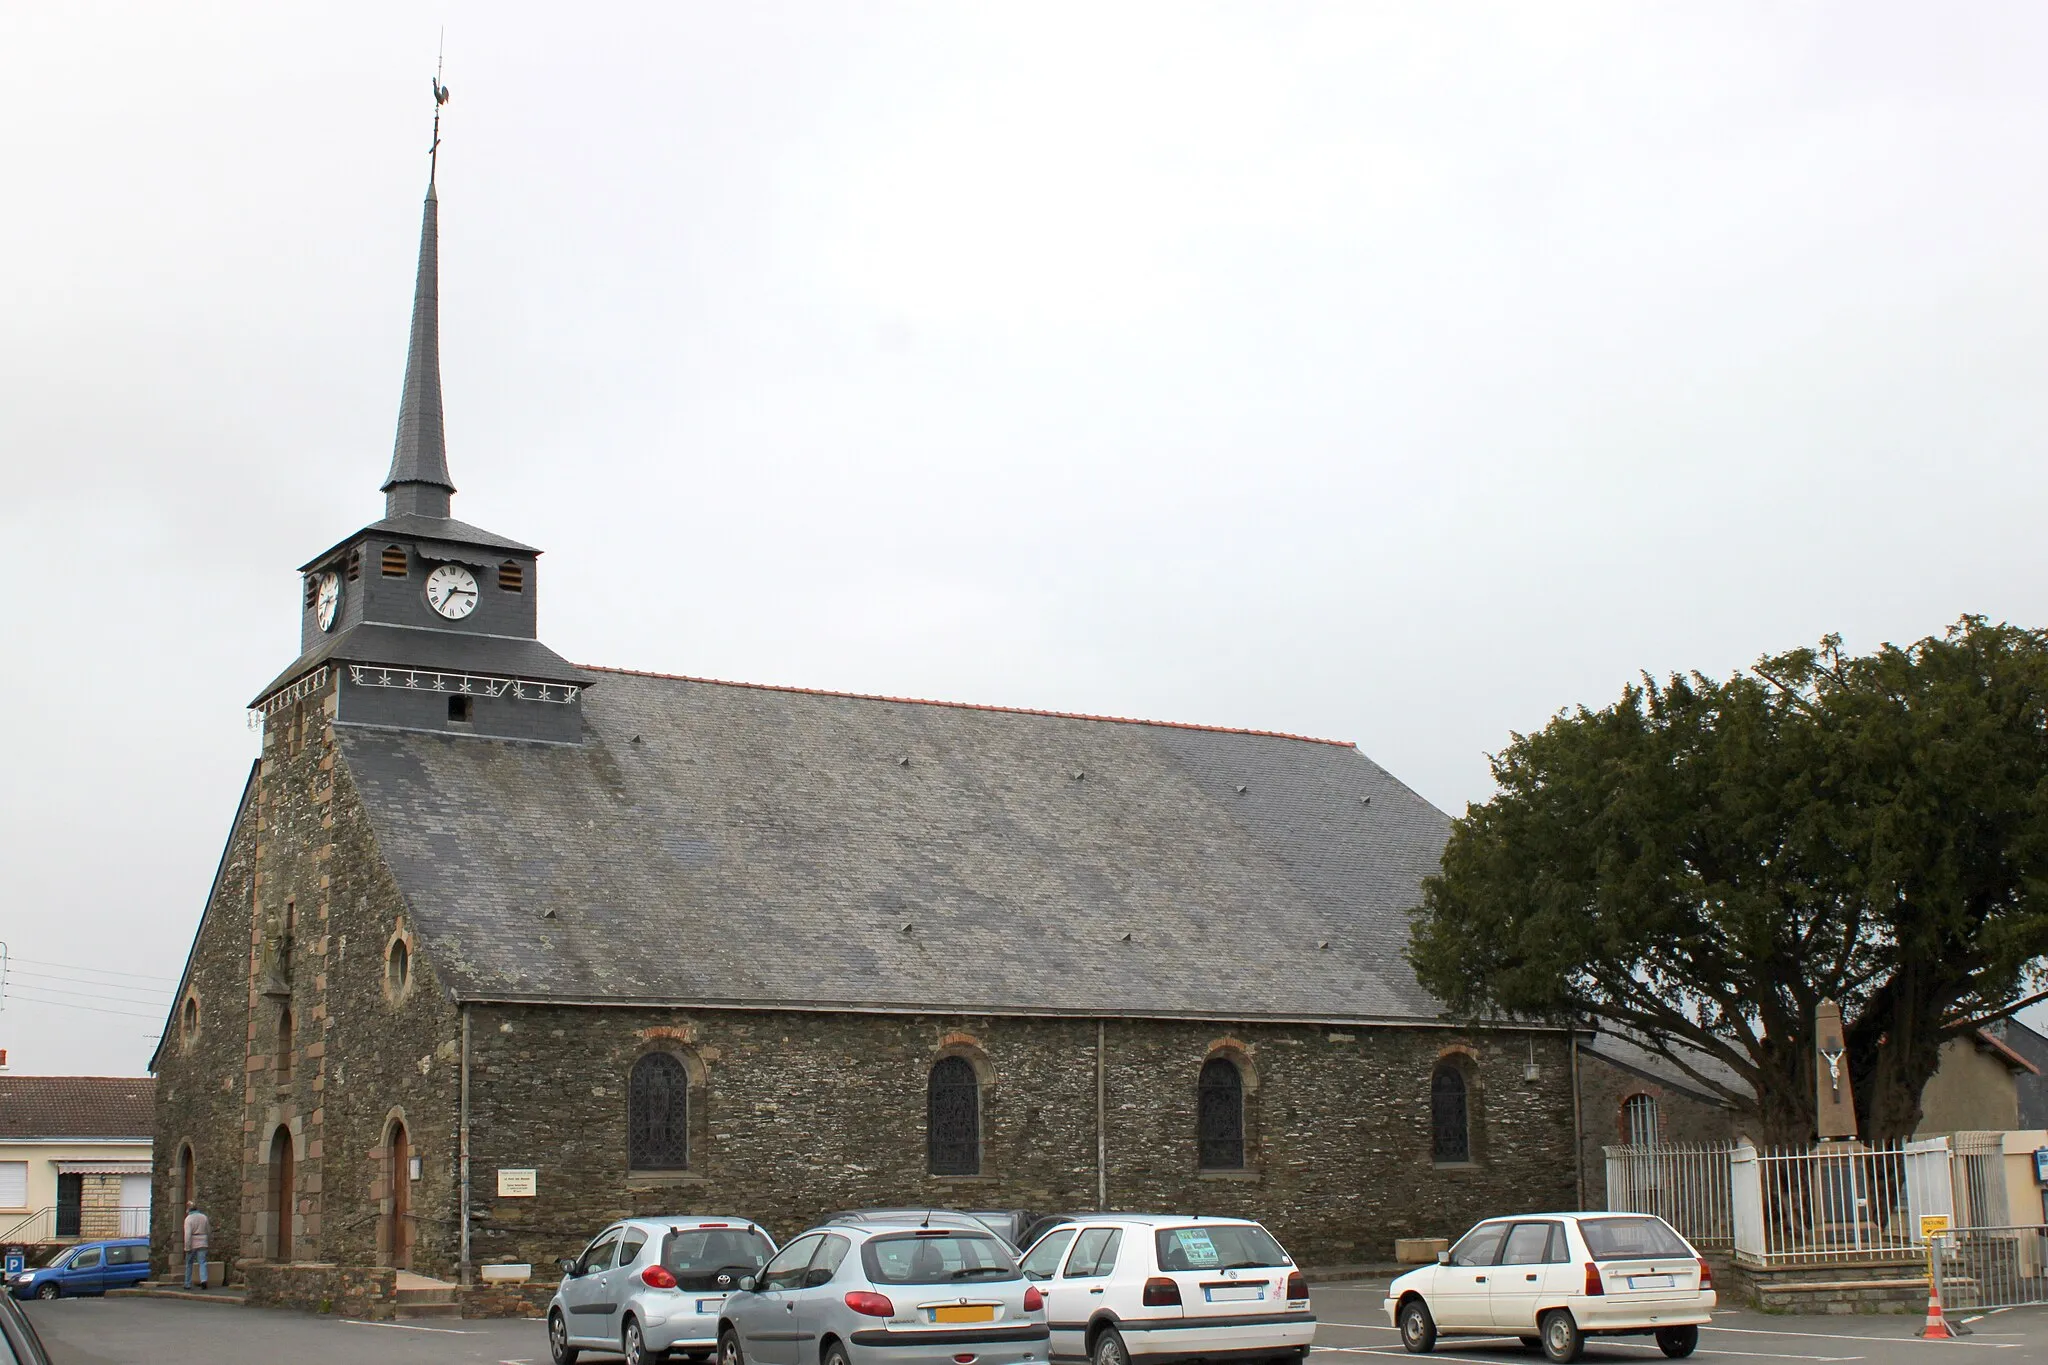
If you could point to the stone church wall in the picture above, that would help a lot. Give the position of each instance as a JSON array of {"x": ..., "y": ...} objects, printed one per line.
[{"x": 796, "y": 1115}]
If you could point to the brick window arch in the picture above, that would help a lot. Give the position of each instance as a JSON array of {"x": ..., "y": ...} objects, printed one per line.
[
  {"x": 1450, "y": 1115},
  {"x": 658, "y": 1114},
  {"x": 953, "y": 1117},
  {"x": 1219, "y": 1115}
]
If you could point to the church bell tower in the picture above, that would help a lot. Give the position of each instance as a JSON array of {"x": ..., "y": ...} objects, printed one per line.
[{"x": 419, "y": 621}]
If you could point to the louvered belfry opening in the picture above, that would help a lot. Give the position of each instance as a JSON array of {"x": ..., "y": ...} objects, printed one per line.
[
  {"x": 1219, "y": 1114},
  {"x": 953, "y": 1116},
  {"x": 511, "y": 578},
  {"x": 658, "y": 1114},
  {"x": 394, "y": 561},
  {"x": 1450, "y": 1128}
]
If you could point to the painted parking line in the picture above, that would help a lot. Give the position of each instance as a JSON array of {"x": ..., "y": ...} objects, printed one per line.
[
  {"x": 1597, "y": 1345},
  {"x": 1865, "y": 1340},
  {"x": 408, "y": 1327}
]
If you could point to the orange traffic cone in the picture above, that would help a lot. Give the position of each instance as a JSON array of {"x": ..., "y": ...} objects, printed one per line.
[{"x": 1938, "y": 1327}]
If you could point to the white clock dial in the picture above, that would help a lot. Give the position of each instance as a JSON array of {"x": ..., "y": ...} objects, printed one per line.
[
  {"x": 451, "y": 590},
  {"x": 327, "y": 605}
]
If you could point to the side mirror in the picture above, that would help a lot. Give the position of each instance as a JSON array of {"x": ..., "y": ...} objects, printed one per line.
[
  {"x": 748, "y": 1284},
  {"x": 816, "y": 1276},
  {"x": 1443, "y": 1258},
  {"x": 568, "y": 1264}
]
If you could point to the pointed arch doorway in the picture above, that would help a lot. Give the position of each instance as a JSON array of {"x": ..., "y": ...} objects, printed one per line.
[
  {"x": 398, "y": 1221},
  {"x": 283, "y": 1182}
]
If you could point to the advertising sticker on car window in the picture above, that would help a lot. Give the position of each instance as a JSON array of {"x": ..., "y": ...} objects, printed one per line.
[{"x": 1196, "y": 1246}]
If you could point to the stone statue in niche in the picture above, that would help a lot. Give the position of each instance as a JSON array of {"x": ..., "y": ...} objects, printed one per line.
[{"x": 274, "y": 962}]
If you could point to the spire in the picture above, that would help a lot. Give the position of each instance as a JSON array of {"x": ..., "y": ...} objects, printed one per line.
[{"x": 418, "y": 482}]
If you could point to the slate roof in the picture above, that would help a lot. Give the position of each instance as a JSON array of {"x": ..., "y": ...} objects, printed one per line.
[
  {"x": 47, "y": 1107},
  {"x": 420, "y": 452},
  {"x": 1621, "y": 1049},
  {"x": 717, "y": 843}
]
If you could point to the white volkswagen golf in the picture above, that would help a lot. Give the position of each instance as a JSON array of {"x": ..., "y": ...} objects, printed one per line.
[
  {"x": 1123, "y": 1288},
  {"x": 1554, "y": 1279}
]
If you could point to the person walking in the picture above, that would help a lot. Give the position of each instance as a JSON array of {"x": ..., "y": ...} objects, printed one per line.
[{"x": 196, "y": 1228}]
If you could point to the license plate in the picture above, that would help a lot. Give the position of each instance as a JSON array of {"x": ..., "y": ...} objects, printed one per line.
[
  {"x": 965, "y": 1312},
  {"x": 710, "y": 1305},
  {"x": 1650, "y": 1282},
  {"x": 1233, "y": 1293}
]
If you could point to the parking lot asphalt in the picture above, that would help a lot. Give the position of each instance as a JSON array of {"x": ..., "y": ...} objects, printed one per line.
[{"x": 130, "y": 1331}]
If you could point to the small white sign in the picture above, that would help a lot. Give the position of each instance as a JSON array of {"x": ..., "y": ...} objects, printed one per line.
[
  {"x": 518, "y": 1184},
  {"x": 510, "y": 1273}
]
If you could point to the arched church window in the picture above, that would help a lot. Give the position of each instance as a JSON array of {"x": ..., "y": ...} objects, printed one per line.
[
  {"x": 658, "y": 1114},
  {"x": 394, "y": 561},
  {"x": 284, "y": 1045},
  {"x": 188, "y": 1018},
  {"x": 953, "y": 1118},
  {"x": 1219, "y": 1115},
  {"x": 1450, "y": 1115},
  {"x": 1639, "y": 1120},
  {"x": 397, "y": 967}
]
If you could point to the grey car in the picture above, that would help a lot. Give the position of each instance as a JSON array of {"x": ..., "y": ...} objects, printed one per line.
[
  {"x": 875, "y": 1293},
  {"x": 653, "y": 1288}
]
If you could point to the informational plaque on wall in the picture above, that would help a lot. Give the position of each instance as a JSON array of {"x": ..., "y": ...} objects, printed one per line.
[{"x": 522, "y": 1184}]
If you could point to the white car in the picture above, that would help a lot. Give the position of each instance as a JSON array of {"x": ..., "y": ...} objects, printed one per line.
[
  {"x": 1157, "y": 1287},
  {"x": 1554, "y": 1279}
]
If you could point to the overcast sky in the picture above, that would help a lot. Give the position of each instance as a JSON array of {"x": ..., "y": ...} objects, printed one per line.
[{"x": 1396, "y": 374}]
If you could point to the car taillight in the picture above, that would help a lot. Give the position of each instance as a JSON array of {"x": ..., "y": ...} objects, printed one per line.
[
  {"x": 1033, "y": 1300},
  {"x": 658, "y": 1277},
  {"x": 1161, "y": 1292},
  {"x": 870, "y": 1304},
  {"x": 1297, "y": 1285},
  {"x": 1706, "y": 1274},
  {"x": 1593, "y": 1285}
]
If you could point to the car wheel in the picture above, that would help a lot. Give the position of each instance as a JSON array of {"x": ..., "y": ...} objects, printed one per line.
[
  {"x": 1418, "y": 1328},
  {"x": 1562, "y": 1340},
  {"x": 559, "y": 1349},
  {"x": 48, "y": 1292},
  {"x": 729, "y": 1352},
  {"x": 1678, "y": 1342},
  {"x": 1110, "y": 1348},
  {"x": 1532, "y": 1343},
  {"x": 634, "y": 1345},
  {"x": 835, "y": 1354}
]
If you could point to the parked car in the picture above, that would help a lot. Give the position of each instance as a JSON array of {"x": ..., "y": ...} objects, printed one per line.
[
  {"x": 1554, "y": 1279},
  {"x": 878, "y": 1293},
  {"x": 18, "y": 1339},
  {"x": 990, "y": 1222},
  {"x": 88, "y": 1268},
  {"x": 1159, "y": 1287},
  {"x": 649, "y": 1287}
]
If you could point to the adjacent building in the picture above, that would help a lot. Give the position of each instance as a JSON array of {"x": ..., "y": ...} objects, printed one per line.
[
  {"x": 501, "y": 947},
  {"x": 75, "y": 1157}
]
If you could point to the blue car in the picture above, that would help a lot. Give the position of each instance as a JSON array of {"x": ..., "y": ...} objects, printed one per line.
[{"x": 88, "y": 1268}]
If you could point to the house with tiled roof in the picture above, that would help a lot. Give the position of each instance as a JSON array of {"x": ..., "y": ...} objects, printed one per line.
[
  {"x": 500, "y": 946},
  {"x": 74, "y": 1157}
]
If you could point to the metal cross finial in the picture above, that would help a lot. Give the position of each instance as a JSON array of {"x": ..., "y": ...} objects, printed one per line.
[{"x": 440, "y": 98}]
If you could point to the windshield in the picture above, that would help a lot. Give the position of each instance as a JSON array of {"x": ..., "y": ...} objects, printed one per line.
[
  {"x": 695, "y": 1256},
  {"x": 1615, "y": 1239},
  {"x": 1218, "y": 1246},
  {"x": 937, "y": 1258}
]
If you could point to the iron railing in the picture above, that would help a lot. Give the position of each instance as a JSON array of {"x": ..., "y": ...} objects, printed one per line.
[
  {"x": 1981, "y": 1268},
  {"x": 1688, "y": 1187},
  {"x": 85, "y": 1223},
  {"x": 1842, "y": 1202}
]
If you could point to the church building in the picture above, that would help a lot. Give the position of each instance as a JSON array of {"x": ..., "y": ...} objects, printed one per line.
[{"x": 502, "y": 947}]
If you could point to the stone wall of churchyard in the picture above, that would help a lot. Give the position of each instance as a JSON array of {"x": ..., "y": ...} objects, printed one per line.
[
  {"x": 795, "y": 1115},
  {"x": 1604, "y": 1088}
]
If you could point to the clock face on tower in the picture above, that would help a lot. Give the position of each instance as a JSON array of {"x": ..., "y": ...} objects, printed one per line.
[
  {"x": 327, "y": 605},
  {"x": 451, "y": 590}
]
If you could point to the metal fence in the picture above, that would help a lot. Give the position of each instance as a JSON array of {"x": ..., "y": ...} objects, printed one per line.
[
  {"x": 1688, "y": 1187},
  {"x": 1977, "y": 1268},
  {"x": 1831, "y": 1203},
  {"x": 88, "y": 1223}
]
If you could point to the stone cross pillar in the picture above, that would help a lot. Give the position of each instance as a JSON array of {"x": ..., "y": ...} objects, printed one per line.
[{"x": 1835, "y": 1109}]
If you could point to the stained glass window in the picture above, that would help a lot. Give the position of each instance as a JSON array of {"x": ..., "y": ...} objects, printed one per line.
[
  {"x": 1450, "y": 1129},
  {"x": 1219, "y": 1113},
  {"x": 953, "y": 1113},
  {"x": 658, "y": 1115}
]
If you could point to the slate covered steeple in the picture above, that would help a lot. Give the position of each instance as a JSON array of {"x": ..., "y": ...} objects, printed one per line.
[{"x": 418, "y": 483}]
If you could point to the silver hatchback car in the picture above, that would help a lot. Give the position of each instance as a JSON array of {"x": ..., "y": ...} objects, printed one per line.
[
  {"x": 887, "y": 1294},
  {"x": 649, "y": 1287}
]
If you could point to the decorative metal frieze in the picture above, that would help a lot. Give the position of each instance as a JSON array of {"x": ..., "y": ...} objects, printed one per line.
[
  {"x": 658, "y": 1114},
  {"x": 458, "y": 684},
  {"x": 953, "y": 1115},
  {"x": 1219, "y": 1115},
  {"x": 298, "y": 691}
]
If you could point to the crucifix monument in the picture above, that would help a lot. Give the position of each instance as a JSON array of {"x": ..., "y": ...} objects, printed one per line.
[{"x": 1835, "y": 1107}]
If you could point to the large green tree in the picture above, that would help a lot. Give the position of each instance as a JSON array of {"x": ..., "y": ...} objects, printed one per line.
[{"x": 1704, "y": 861}]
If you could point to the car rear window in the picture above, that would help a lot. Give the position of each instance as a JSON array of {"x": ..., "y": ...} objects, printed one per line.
[
  {"x": 1218, "y": 1246},
  {"x": 1617, "y": 1239},
  {"x": 696, "y": 1256},
  {"x": 937, "y": 1258}
]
